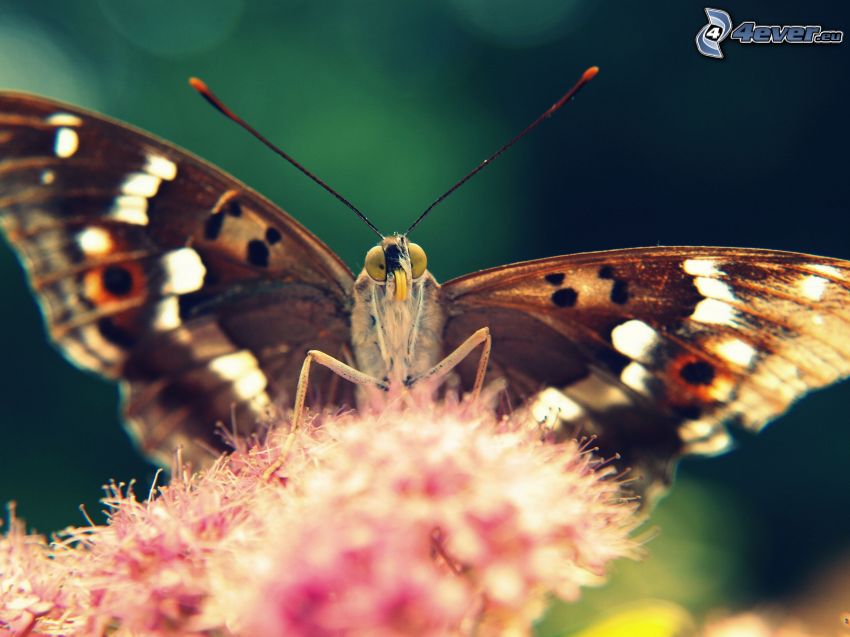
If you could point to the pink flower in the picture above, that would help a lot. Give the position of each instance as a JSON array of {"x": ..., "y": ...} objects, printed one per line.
[
  {"x": 437, "y": 521},
  {"x": 358, "y": 576},
  {"x": 33, "y": 586}
]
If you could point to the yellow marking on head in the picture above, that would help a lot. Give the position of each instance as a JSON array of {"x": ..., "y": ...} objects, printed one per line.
[{"x": 400, "y": 278}]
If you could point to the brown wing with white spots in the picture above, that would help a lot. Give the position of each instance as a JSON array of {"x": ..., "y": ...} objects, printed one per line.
[
  {"x": 157, "y": 269},
  {"x": 654, "y": 350}
]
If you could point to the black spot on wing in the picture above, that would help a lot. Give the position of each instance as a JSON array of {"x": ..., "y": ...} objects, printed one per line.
[
  {"x": 620, "y": 292},
  {"x": 697, "y": 373},
  {"x": 213, "y": 225},
  {"x": 555, "y": 278},
  {"x": 606, "y": 272},
  {"x": 272, "y": 236},
  {"x": 565, "y": 297},
  {"x": 234, "y": 208},
  {"x": 258, "y": 253},
  {"x": 117, "y": 280}
]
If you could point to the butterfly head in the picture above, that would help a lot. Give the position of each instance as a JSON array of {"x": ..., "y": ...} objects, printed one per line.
[{"x": 396, "y": 264}]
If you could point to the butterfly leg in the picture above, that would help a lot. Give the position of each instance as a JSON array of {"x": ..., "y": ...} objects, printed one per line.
[
  {"x": 441, "y": 369},
  {"x": 339, "y": 368}
]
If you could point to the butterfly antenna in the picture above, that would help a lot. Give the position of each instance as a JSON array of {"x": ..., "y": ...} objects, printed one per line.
[
  {"x": 208, "y": 95},
  {"x": 588, "y": 75}
]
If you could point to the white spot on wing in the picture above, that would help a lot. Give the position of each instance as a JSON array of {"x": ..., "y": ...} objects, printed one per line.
[
  {"x": 551, "y": 406},
  {"x": 635, "y": 339},
  {"x": 704, "y": 438},
  {"x": 141, "y": 185},
  {"x": 813, "y": 287},
  {"x": 235, "y": 365},
  {"x": 184, "y": 271},
  {"x": 167, "y": 314},
  {"x": 736, "y": 351},
  {"x": 64, "y": 119},
  {"x": 636, "y": 376},
  {"x": 825, "y": 269},
  {"x": 94, "y": 241},
  {"x": 696, "y": 430},
  {"x": 67, "y": 142},
  {"x": 702, "y": 267},
  {"x": 243, "y": 370},
  {"x": 719, "y": 442},
  {"x": 47, "y": 177},
  {"x": 250, "y": 385},
  {"x": 714, "y": 288},
  {"x": 714, "y": 312},
  {"x": 161, "y": 167},
  {"x": 130, "y": 209}
]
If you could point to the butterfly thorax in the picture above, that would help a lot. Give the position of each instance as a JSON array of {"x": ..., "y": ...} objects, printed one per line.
[{"x": 396, "y": 340}]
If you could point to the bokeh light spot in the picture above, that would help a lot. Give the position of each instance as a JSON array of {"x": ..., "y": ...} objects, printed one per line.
[
  {"x": 519, "y": 24},
  {"x": 173, "y": 29}
]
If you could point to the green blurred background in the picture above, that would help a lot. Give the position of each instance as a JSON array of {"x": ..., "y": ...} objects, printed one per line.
[{"x": 391, "y": 102}]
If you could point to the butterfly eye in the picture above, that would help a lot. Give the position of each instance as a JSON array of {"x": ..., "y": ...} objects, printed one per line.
[
  {"x": 418, "y": 260},
  {"x": 376, "y": 264}
]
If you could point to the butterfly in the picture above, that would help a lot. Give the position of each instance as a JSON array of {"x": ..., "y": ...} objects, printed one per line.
[{"x": 207, "y": 304}]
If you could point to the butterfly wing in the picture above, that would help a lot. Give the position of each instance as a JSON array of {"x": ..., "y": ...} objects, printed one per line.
[
  {"x": 655, "y": 350},
  {"x": 155, "y": 268}
]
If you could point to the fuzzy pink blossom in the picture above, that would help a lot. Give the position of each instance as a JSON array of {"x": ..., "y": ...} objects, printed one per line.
[
  {"x": 437, "y": 521},
  {"x": 34, "y": 588}
]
